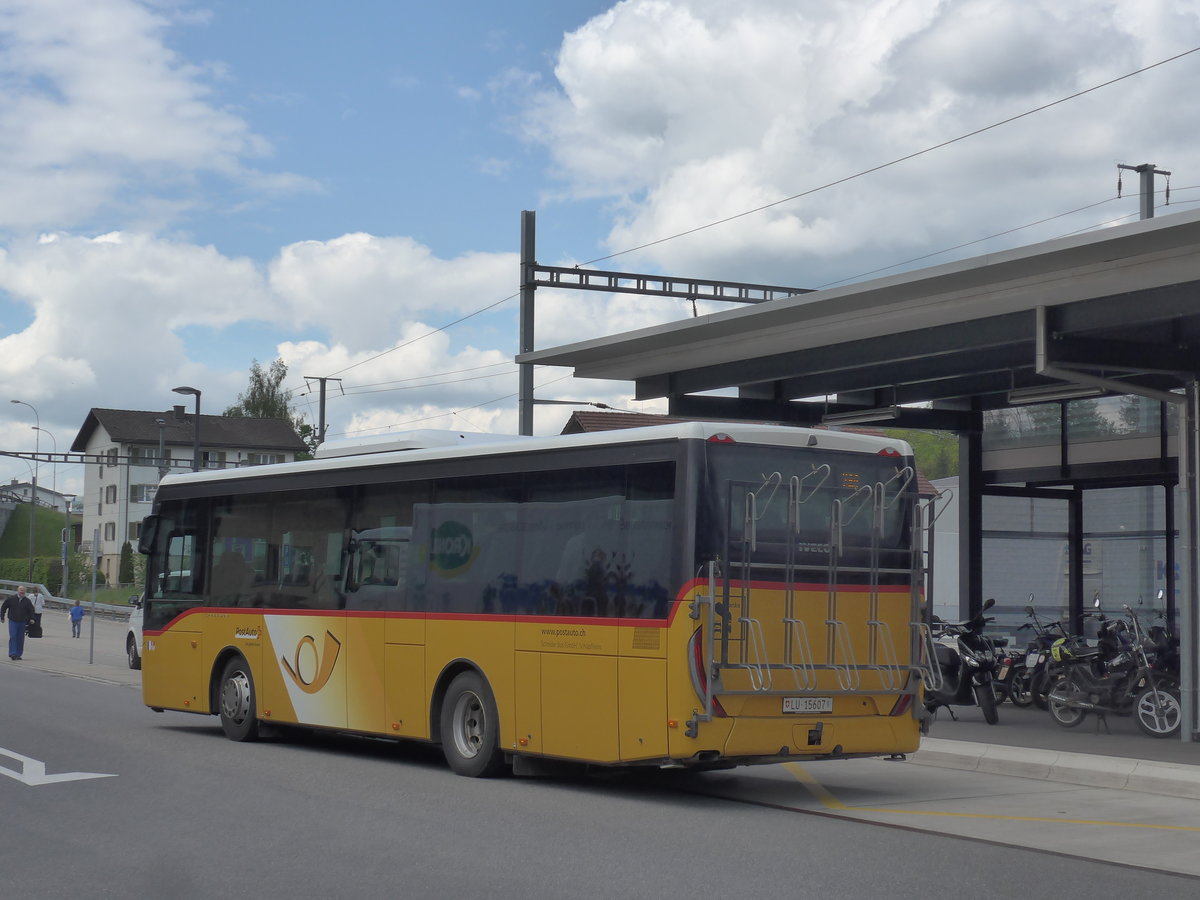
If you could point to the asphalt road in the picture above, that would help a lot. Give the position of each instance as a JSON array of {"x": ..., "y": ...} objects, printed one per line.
[{"x": 179, "y": 811}]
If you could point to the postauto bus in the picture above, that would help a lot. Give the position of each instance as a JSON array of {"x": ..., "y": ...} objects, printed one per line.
[{"x": 691, "y": 595}]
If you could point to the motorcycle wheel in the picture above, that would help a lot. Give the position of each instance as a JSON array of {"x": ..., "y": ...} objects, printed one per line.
[
  {"x": 1061, "y": 713},
  {"x": 1039, "y": 685},
  {"x": 1020, "y": 689},
  {"x": 1158, "y": 711},
  {"x": 987, "y": 702}
]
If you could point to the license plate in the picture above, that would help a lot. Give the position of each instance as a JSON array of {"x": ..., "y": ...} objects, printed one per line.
[
  {"x": 1032, "y": 660},
  {"x": 808, "y": 704},
  {"x": 1003, "y": 672}
]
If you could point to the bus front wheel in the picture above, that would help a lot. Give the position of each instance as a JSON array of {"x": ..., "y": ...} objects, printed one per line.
[
  {"x": 236, "y": 701},
  {"x": 470, "y": 727}
]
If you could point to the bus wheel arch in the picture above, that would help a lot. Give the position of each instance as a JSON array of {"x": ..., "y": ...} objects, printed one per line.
[
  {"x": 466, "y": 722},
  {"x": 235, "y": 698}
]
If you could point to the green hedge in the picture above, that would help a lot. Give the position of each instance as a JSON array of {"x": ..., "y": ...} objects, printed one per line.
[
  {"x": 18, "y": 570},
  {"x": 47, "y": 570}
]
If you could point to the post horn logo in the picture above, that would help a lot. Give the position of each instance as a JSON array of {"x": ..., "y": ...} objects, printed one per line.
[{"x": 325, "y": 660}]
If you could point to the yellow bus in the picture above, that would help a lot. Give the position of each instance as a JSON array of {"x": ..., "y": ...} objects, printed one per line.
[{"x": 693, "y": 595}]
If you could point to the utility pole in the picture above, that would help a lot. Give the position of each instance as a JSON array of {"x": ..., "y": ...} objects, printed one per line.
[
  {"x": 525, "y": 339},
  {"x": 1146, "y": 173},
  {"x": 321, "y": 379}
]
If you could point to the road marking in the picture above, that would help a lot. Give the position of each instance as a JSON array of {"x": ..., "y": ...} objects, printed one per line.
[
  {"x": 814, "y": 787},
  {"x": 33, "y": 771},
  {"x": 829, "y": 801}
]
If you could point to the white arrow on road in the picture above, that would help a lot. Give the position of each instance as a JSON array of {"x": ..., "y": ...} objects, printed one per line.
[{"x": 33, "y": 771}]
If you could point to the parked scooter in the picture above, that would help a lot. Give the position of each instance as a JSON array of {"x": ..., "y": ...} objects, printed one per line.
[
  {"x": 1117, "y": 676},
  {"x": 966, "y": 661}
]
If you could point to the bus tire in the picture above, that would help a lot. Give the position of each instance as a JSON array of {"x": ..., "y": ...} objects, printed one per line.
[
  {"x": 236, "y": 701},
  {"x": 470, "y": 727}
]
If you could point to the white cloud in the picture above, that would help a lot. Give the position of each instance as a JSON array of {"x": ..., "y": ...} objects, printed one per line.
[
  {"x": 359, "y": 286},
  {"x": 114, "y": 321},
  {"x": 96, "y": 112},
  {"x": 670, "y": 113},
  {"x": 734, "y": 106}
]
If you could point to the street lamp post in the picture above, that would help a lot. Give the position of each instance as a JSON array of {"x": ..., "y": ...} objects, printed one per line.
[
  {"x": 66, "y": 549},
  {"x": 53, "y": 464},
  {"x": 162, "y": 449},
  {"x": 195, "y": 425},
  {"x": 33, "y": 501}
]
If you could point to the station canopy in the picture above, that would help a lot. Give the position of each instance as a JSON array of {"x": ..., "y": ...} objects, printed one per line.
[{"x": 1116, "y": 308}]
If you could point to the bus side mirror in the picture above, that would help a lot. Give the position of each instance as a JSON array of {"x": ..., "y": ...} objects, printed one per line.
[{"x": 148, "y": 535}]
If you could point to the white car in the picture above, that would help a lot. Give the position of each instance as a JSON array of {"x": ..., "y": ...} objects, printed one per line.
[{"x": 133, "y": 637}]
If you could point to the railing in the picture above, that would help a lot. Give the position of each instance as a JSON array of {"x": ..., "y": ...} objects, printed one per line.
[{"x": 7, "y": 588}]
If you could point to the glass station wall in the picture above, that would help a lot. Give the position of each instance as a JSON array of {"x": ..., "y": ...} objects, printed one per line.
[
  {"x": 1026, "y": 551},
  {"x": 1088, "y": 420},
  {"x": 1026, "y": 540}
]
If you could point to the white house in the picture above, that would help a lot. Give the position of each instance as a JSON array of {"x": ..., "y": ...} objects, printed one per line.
[
  {"x": 133, "y": 449},
  {"x": 21, "y": 491}
]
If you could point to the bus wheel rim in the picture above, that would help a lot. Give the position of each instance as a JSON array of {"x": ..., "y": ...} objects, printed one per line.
[
  {"x": 469, "y": 725},
  {"x": 235, "y": 697}
]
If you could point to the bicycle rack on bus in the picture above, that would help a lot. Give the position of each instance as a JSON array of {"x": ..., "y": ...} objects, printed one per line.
[
  {"x": 879, "y": 633},
  {"x": 798, "y": 657},
  {"x": 750, "y": 630},
  {"x": 722, "y": 628},
  {"x": 924, "y": 519},
  {"x": 837, "y": 632}
]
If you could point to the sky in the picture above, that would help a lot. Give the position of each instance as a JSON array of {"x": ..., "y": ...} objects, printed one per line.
[{"x": 190, "y": 187}]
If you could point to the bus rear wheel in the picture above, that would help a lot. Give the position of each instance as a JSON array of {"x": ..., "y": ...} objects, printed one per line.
[
  {"x": 470, "y": 727},
  {"x": 236, "y": 701}
]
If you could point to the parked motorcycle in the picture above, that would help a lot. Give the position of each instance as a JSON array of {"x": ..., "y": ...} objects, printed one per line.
[
  {"x": 1118, "y": 676},
  {"x": 1165, "y": 656},
  {"x": 1011, "y": 681},
  {"x": 966, "y": 661},
  {"x": 1033, "y": 684}
]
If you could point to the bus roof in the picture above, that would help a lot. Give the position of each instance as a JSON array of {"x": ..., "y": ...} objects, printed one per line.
[
  {"x": 732, "y": 432},
  {"x": 423, "y": 439}
]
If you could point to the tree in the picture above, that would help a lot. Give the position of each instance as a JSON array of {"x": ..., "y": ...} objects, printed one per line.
[
  {"x": 936, "y": 452},
  {"x": 265, "y": 398},
  {"x": 125, "y": 573}
]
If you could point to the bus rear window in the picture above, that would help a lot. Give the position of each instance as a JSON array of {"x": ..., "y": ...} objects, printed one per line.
[{"x": 749, "y": 490}]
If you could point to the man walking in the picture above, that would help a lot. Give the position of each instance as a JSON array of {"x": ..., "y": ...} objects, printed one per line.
[{"x": 19, "y": 610}]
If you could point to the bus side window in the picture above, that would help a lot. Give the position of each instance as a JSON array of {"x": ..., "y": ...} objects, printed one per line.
[
  {"x": 377, "y": 571},
  {"x": 231, "y": 577},
  {"x": 177, "y": 577}
]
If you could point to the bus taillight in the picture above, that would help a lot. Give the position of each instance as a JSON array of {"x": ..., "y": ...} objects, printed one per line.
[
  {"x": 721, "y": 438},
  {"x": 890, "y": 451},
  {"x": 700, "y": 674},
  {"x": 902, "y": 705}
]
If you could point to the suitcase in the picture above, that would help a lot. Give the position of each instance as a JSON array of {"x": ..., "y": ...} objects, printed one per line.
[{"x": 33, "y": 630}]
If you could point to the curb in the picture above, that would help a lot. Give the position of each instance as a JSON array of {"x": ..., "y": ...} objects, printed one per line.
[{"x": 1171, "y": 779}]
